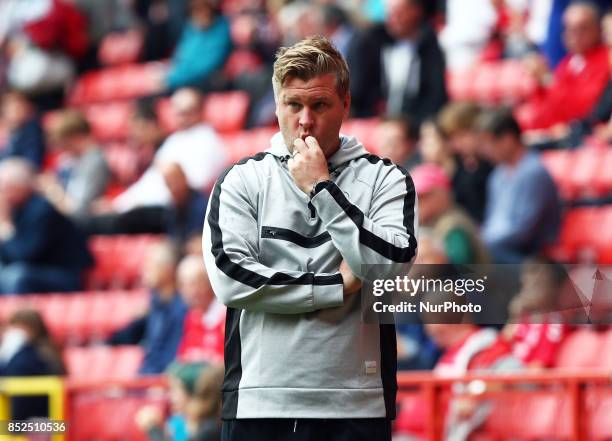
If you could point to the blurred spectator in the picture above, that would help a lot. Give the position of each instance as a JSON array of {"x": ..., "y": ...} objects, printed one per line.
[
  {"x": 163, "y": 22},
  {"x": 182, "y": 380},
  {"x": 203, "y": 335},
  {"x": 396, "y": 141},
  {"x": 195, "y": 147},
  {"x": 401, "y": 63},
  {"x": 204, "y": 411},
  {"x": 40, "y": 249},
  {"x": 338, "y": 28},
  {"x": 26, "y": 349},
  {"x": 447, "y": 222},
  {"x": 202, "y": 49},
  {"x": 160, "y": 330},
  {"x": 469, "y": 177},
  {"x": 523, "y": 208},
  {"x": 187, "y": 209},
  {"x": 536, "y": 328},
  {"x": 44, "y": 40},
  {"x": 462, "y": 39},
  {"x": 586, "y": 68},
  {"x": 84, "y": 180},
  {"x": 145, "y": 136},
  {"x": 104, "y": 17},
  {"x": 433, "y": 146},
  {"x": 26, "y": 139}
]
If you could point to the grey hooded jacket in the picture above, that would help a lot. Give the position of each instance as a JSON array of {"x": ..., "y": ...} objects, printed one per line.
[{"x": 294, "y": 347}]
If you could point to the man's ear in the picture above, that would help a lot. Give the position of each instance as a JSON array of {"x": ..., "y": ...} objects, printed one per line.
[{"x": 347, "y": 104}]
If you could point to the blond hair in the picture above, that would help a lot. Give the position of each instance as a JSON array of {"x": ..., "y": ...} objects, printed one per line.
[
  {"x": 310, "y": 58},
  {"x": 459, "y": 116}
]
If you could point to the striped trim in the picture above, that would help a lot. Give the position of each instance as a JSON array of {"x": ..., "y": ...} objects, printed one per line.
[
  {"x": 294, "y": 237},
  {"x": 366, "y": 237},
  {"x": 244, "y": 275}
]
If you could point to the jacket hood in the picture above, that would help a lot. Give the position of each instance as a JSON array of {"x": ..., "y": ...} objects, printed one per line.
[{"x": 350, "y": 148}]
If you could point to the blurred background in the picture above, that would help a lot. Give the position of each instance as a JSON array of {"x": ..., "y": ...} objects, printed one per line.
[{"x": 117, "y": 116}]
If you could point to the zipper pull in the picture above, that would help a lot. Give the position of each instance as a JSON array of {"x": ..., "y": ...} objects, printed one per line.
[{"x": 312, "y": 210}]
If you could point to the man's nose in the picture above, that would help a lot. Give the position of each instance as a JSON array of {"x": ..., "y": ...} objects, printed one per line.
[{"x": 306, "y": 118}]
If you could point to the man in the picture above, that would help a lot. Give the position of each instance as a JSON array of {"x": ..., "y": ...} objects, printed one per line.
[
  {"x": 286, "y": 234},
  {"x": 87, "y": 177},
  {"x": 25, "y": 134},
  {"x": 40, "y": 249},
  {"x": 202, "y": 339},
  {"x": 195, "y": 146},
  {"x": 399, "y": 66},
  {"x": 187, "y": 209},
  {"x": 448, "y": 223},
  {"x": 396, "y": 141},
  {"x": 523, "y": 209},
  {"x": 586, "y": 68}
]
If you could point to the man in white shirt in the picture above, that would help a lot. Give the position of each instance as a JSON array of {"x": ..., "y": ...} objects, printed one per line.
[{"x": 195, "y": 147}]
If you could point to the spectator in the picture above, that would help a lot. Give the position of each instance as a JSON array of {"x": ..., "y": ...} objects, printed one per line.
[
  {"x": 396, "y": 141},
  {"x": 586, "y": 68},
  {"x": 187, "y": 209},
  {"x": 536, "y": 327},
  {"x": 338, "y": 28},
  {"x": 88, "y": 175},
  {"x": 448, "y": 223},
  {"x": 204, "y": 325},
  {"x": 523, "y": 209},
  {"x": 195, "y": 147},
  {"x": 161, "y": 328},
  {"x": 464, "y": 40},
  {"x": 45, "y": 42},
  {"x": 145, "y": 137},
  {"x": 470, "y": 172},
  {"x": 202, "y": 49},
  {"x": 401, "y": 63},
  {"x": 433, "y": 146},
  {"x": 40, "y": 249},
  {"x": 26, "y": 349},
  {"x": 204, "y": 411},
  {"x": 26, "y": 139},
  {"x": 182, "y": 380}
]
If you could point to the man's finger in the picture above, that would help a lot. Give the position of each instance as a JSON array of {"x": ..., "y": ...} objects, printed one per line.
[
  {"x": 299, "y": 146},
  {"x": 312, "y": 143}
]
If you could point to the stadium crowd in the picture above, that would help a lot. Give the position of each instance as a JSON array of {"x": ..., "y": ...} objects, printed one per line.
[{"x": 487, "y": 193}]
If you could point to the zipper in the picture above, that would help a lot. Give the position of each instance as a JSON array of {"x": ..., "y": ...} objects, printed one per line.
[{"x": 294, "y": 237}]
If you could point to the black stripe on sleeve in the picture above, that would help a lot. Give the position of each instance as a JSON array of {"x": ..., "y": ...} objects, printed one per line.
[
  {"x": 244, "y": 275},
  {"x": 369, "y": 239}
]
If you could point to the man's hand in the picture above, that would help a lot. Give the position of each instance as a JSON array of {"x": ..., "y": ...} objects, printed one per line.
[
  {"x": 308, "y": 164},
  {"x": 351, "y": 283}
]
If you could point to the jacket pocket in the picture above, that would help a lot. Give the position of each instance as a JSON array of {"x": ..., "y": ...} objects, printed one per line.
[{"x": 294, "y": 237}]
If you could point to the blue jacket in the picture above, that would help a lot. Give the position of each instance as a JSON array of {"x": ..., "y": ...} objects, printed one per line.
[
  {"x": 44, "y": 236},
  {"x": 199, "y": 53},
  {"x": 26, "y": 142},
  {"x": 163, "y": 332}
]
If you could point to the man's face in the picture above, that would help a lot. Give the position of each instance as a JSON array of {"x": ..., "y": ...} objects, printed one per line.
[
  {"x": 15, "y": 112},
  {"x": 581, "y": 32},
  {"x": 312, "y": 108},
  {"x": 403, "y": 17},
  {"x": 13, "y": 194},
  {"x": 498, "y": 149}
]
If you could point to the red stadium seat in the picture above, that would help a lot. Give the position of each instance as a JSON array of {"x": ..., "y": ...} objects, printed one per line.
[
  {"x": 599, "y": 412},
  {"x": 109, "y": 414},
  {"x": 602, "y": 181},
  {"x": 559, "y": 165},
  {"x": 241, "y": 61},
  {"x": 103, "y": 362},
  {"x": 364, "y": 130},
  {"x": 247, "y": 143},
  {"x": 579, "y": 350},
  {"x": 226, "y": 112},
  {"x": 120, "y": 48},
  {"x": 122, "y": 161},
  {"x": 118, "y": 260},
  {"x": 109, "y": 121},
  {"x": 585, "y": 166},
  {"x": 491, "y": 83},
  {"x": 117, "y": 83}
]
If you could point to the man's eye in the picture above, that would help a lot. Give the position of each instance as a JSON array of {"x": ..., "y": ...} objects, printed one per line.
[
  {"x": 320, "y": 106},
  {"x": 294, "y": 105}
]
